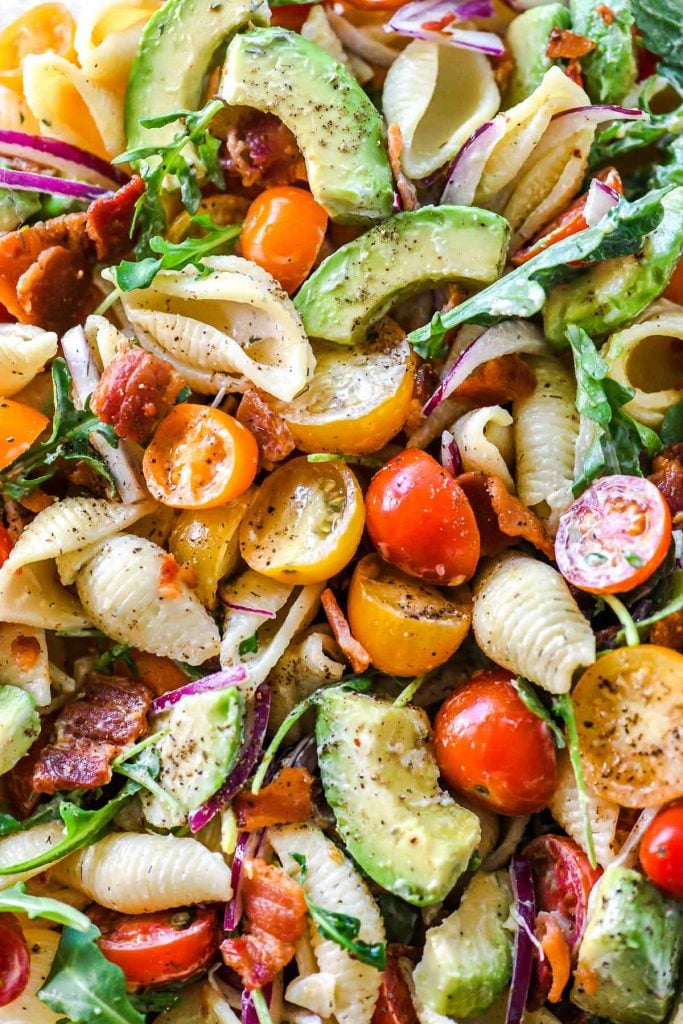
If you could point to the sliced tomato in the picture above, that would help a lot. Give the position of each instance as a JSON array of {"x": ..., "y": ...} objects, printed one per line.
[
  {"x": 661, "y": 851},
  {"x": 614, "y": 536},
  {"x": 15, "y": 960},
  {"x": 199, "y": 457},
  {"x": 291, "y": 16},
  {"x": 395, "y": 1004},
  {"x": 5, "y": 545},
  {"x": 155, "y": 949}
]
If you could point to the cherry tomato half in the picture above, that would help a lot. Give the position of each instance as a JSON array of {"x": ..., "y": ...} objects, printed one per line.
[
  {"x": 20, "y": 426},
  {"x": 491, "y": 747},
  {"x": 419, "y": 519},
  {"x": 291, "y": 16},
  {"x": 395, "y": 1003},
  {"x": 15, "y": 960},
  {"x": 154, "y": 949},
  {"x": 199, "y": 457},
  {"x": 614, "y": 536},
  {"x": 5, "y": 545},
  {"x": 283, "y": 231},
  {"x": 661, "y": 850},
  {"x": 674, "y": 289}
]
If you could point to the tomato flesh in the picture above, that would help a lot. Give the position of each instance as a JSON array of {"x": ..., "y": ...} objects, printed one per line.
[
  {"x": 614, "y": 536},
  {"x": 5, "y": 545},
  {"x": 420, "y": 520},
  {"x": 491, "y": 747},
  {"x": 661, "y": 851},
  {"x": 283, "y": 231},
  {"x": 20, "y": 426},
  {"x": 15, "y": 960},
  {"x": 291, "y": 16},
  {"x": 155, "y": 949},
  {"x": 395, "y": 1004}
]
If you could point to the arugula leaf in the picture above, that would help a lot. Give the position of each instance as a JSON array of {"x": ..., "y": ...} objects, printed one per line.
[
  {"x": 157, "y": 1000},
  {"x": 249, "y": 646},
  {"x": 86, "y": 986},
  {"x": 522, "y": 293},
  {"x": 621, "y": 137},
  {"x": 117, "y": 652},
  {"x": 68, "y": 441},
  {"x": 9, "y": 825},
  {"x": 144, "y": 769},
  {"x": 672, "y": 425},
  {"x": 564, "y": 708},
  {"x": 342, "y": 928},
  {"x": 670, "y": 172},
  {"x": 620, "y": 439},
  {"x": 659, "y": 21},
  {"x": 533, "y": 702},
  {"x": 18, "y": 901}
]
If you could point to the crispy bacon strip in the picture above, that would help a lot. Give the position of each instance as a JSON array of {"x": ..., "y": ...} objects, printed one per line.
[
  {"x": 109, "y": 220},
  {"x": 667, "y": 475},
  {"x": 497, "y": 381},
  {"x": 57, "y": 290},
  {"x": 354, "y": 651},
  {"x": 404, "y": 186},
  {"x": 285, "y": 801},
  {"x": 668, "y": 632},
  {"x": 262, "y": 151},
  {"x": 568, "y": 45},
  {"x": 502, "y": 519},
  {"x": 606, "y": 13},
  {"x": 135, "y": 392},
  {"x": 273, "y": 436}
]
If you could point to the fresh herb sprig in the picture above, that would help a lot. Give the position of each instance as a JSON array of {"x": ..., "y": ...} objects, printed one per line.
[
  {"x": 528, "y": 696},
  {"x": 68, "y": 441},
  {"x": 159, "y": 164},
  {"x": 17, "y": 901},
  {"x": 343, "y": 928}
]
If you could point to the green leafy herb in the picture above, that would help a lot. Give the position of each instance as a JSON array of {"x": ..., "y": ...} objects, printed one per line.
[
  {"x": 144, "y": 768},
  {"x": 68, "y": 441},
  {"x": 625, "y": 619},
  {"x": 531, "y": 700},
  {"x": 522, "y": 292},
  {"x": 117, "y": 652},
  {"x": 159, "y": 164},
  {"x": 131, "y": 274},
  {"x": 86, "y": 986},
  {"x": 620, "y": 439},
  {"x": 9, "y": 825},
  {"x": 621, "y": 137},
  {"x": 261, "y": 1006},
  {"x": 672, "y": 425},
  {"x": 673, "y": 604},
  {"x": 669, "y": 170},
  {"x": 659, "y": 21},
  {"x": 250, "y": 645},
  {"x": 409, "y": 691},
  {"x": 156, "y": 1000},
  {"x": 18, "y": 901},
  {"x": 564, "y": 708}
]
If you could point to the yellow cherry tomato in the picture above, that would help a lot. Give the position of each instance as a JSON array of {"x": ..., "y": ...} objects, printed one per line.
[
  {"x": 406, "y": 626},
  {"x": 208, "y": 541},
  {"x": 628, "y": 713},
  {"x": 305, "y": 523},
  {"x": 358, "y": 399},
  {"x": 20, "y": 427}
]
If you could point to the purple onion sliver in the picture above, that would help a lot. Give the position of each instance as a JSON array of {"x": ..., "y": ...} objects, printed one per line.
[
  {"x": 451, "y": 459},
  {"x": 247, "y": 847},
  {"x": 397, "y": 203},
  {"x": 600, "y": 200},
  {"x": 62, "y": 156},
  {"x": 468, "y": 164},
  {"x": 249, "y": 1014},
  {"x": 265, "y": 612},
  {"x": 29, "y": 182},
  {"x": 598, "y": 112},
  {"x": 522, "y": 960},
  {"x": 217, "y": 681}
]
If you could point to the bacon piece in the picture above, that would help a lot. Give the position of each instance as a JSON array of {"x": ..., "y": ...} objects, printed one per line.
[
  {"x": 262, "y": 151},
  {"x": 80, "y": 764},
  {"x": 404, "y": 186},
  {"x": 503, "y": 68},
  {"x": 25, "y": 651},
  {"x": 668, "y": 632},
  {"x": 173, "y": 575},
  {"x": 19, "y": 779},
  {"x": 257, "y": 956},
  {"x": 502, "y": 519},
  {"x": 57, "y": 290},
  {"x": 606, "y": 13},
  {"x": 354, "y": 651},
  {"x": 667, "y": 475},
  {"x": 135, "y": 392},
  {"x": 273, "y": 436},
  {"x": 500, "y": 380},
  {"x": 574, "y": 72},
  {"x": 110, "y": 218},
  {"x": 568, "y": 45},
  {"x": 285, "y": 801}
]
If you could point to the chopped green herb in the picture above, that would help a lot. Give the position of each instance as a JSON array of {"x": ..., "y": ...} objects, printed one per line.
[
  {"x": 249, "y": 646},
  {"x": 622, "y": 613},
  {"x": 117, "y": 652},
  {"x": 672, "y": 425},
  {"x": 531, "y": 700}
]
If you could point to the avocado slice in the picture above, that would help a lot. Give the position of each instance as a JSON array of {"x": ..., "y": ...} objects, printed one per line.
[
  {"x": 609, "y": 70},
  {"x": 467, "y": 959},
  {"x": 205, "y": 733},
  {"x": 382, "y": 782},
  {"x": 338, "y": 129},
  {"x": 361, "y": 281},
  {"x": 178, "y": 47},
  {"x": 19, "y": 725},
  {"x": 527, "y": 40},
  {"x": 610, "y": 294},
  {"x": 630, "y": 951}
]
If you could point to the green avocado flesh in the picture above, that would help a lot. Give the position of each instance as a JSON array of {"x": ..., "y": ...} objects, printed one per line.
[
  {"x": 359, "y": 283},
  {"x": 609, "y": 70},
  {"x": 382, "y": 782},
  {"x": 527, "y": 40},
  {"x": 19, "y": 725}
]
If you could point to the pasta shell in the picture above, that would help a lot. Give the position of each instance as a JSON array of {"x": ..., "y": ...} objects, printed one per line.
[
  {"x": 104, "y": 338},
  {"x": 119, "y": 588},
  {"x": 317, "y": 29},
  {"x": 525, "y": 619},
  {"x": 35, "y": 678},
  {"x": 14, "y": 113},
  {"x": 231, "y": 327},
  {"x": 21, "y": 846},
  {"x": 32, "y": 596},
  {"x": 332, "y": 882},
  {"x": 646, "y": 357},
  {"x": 28, "y": 1008},
  {"x": 107, "y": 37},
  {"x": 136, "y": 873},
  {"x": 484, "y": 438},
  {"x": 311, "y": 660},
  {"x": 24, "y": 351},
  {"x": 437, "y": 95},
  {"x": 565, "y": 807}
]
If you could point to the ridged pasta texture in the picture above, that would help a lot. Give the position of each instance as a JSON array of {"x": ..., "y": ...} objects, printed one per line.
[
  {"x": 33, "y": 596},
  {"x": 311, "y": 660},
  {"x": 24, "y": 351},
  {"x": 21, "y": 846},
  {"x": 28, "y": 1008},
  {"x": 566, "y": 809},
  {"x": 136, "y": 873},
  {"x": 525, "y": 619}
]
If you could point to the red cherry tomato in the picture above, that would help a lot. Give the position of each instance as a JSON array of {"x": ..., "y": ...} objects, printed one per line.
[
  {"x": 661, "y": 851},
  {"x": 5, "y": 545},
  {"x": 155, "y": 949},
  {"x": 283, "y": 231},
  {"x": 419, "y": 519},
  {"x": 5, "y": 316},
  {"x": 291, "y": 16},
  {"x": 395, "y": 1004},
  {"x": 491, "y": 747},
  {"x": 614, "y": 536},
  {"x": 15, "y": 960}
]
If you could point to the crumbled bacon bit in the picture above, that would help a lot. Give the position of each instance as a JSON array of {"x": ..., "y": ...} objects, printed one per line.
[
  {"x": 262, "y": 151},
  {"x": 57, "y": 290},
  {"x": 568, "y": 45},
  {"x": 286, "y": 800},
  {"x": 668, "y": 632},
  {"x": 500, "y": 380},
  {"x": 667, "y": 475},
  {"x": 25, "y": 651},
  {"x": 405, "y": 187},
  {"x": 606, "y": 13},
  {"x": 503, "y": 68},
  {"x": 172, "y": 575},
  {"x": 574, "y": 72},
  {"x": 395, "y": 1003},
  {"x": 109, "y": 221},
  {"x": 135, "y": 392},
  {"x": 354, "y": 651},
  {"x": 273, "y": 436},
  {"x": 502, "y": 519}
]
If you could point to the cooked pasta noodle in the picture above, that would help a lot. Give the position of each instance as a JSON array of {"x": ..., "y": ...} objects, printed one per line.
[
  {"x": 317, "y": 29},
  {"x": 485, "y": 442},
  {"x": 24, "y": 660},
  {"x": 22, "y": 846},
  {"x": 24, "y": 351},
  {"x": 565, "y": 807},
  {"x": 33, "y": 596},
  {"x": 107, "y": 37},
  {"x": 311, "y": 660}
]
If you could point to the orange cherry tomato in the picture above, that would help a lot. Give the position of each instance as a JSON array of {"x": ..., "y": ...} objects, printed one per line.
[
  {"x": 199, "y": 457},
  {"x": 419, "y": 519},
  {"x": 395, "y": 1003},
  {"x": 283, "y": 231},
  {"x": 155, "y": 949},
  {"x": 614, "y": 536},
  {"x": 20, "y": 426},
  {"x": 661, "y": 851},
  {"x": 5, "y": 545},
  {"x": 674, "y": 289},
  {"x": 492, "y": 748},
  {"x": 291, "y": 16}
]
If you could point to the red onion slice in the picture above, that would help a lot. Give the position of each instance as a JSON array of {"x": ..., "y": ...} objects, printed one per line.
[
  {"x": 247, "y": 847},
  {"x": 522, "y": 960},
  {"x": 526, "y": 5},
  {"x": 468, "y": 164},
  {"x": 265, "y": 612},
  {"x": 600, "y": 200},
  {"x": 217, "y": 681},
  {"x": 25, "y": 181},
  {"x": 411, "y": 20},
  {"x": 501, "y": 340},
  {"x": 63, "y": 157},
  {"x": 451, "y": 459},
  {"x": 576, "y": 118}
]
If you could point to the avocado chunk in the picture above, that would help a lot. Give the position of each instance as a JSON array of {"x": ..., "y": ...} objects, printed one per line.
[
  {"x": 609, "y": 70},
  {"x": 196, "y": 755},
  {"x": 19, "y": 725},
  {"x": 467, "y": 959},
  {"x": 178, "y": 46},
  {"x": 382, "y": 782},
  {"x": 361, "y": 281},
  {"x": 527, "y": 40},
  {"x": 612, "y": 293},
  {"x": 338, "y": 130},
  {"x": 630, "y": 951}
]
